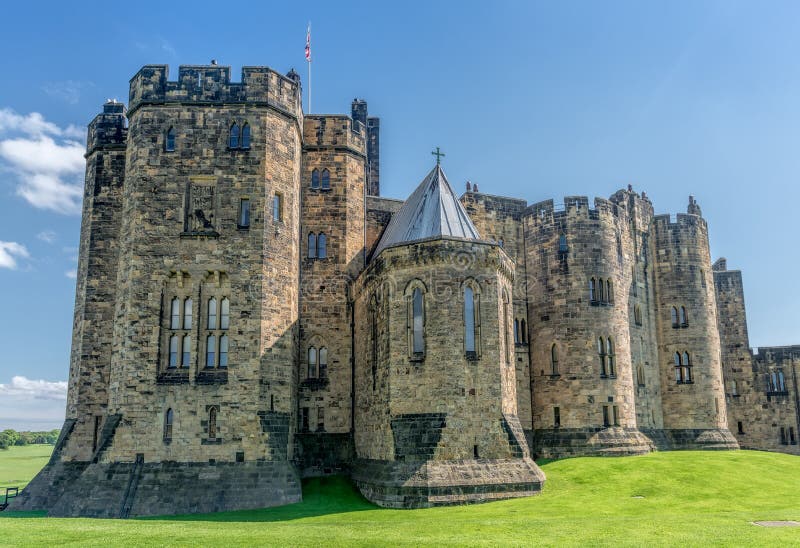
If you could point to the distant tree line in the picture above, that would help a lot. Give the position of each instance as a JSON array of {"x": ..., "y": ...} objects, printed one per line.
[{"x": 12, "y": 437}]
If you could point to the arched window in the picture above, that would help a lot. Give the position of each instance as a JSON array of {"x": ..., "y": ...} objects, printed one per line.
[
  {"x": 326, "y": 179},
  {"x": 169, "y": 142},
  {"x": 168, "y": 425},
  {"x": 516, "y": 331},
  {"x": 223, "y": 351},
  {"x": 186, "y": 356},
  {"x": 637, "y": 315},
  {"x": 187, "y": 313},
  {"x": 610, "y": 352},
  {"x": 211, "y": 350},
  {"x": 678, "y": 368},
  {"x": 323, "y": 362},
  {"x": 322, "y": 246},
  {"x": 562, "y": 243},
  {"x": 175, "y": 314},
  {"x": 212, "y": 313},
  {"x": 312, "y": 362},
  {"x": 554, "y": 359},
  {"x": 674, "y": 315},
  {"x": 592, "y": 290},
  {"x": 212, "y": 423},
  {"x": 506, "y": 326},
  {"x": 781, "y": 382},
  {"x": 524, "y": 331},
  {"x": 173, "y": 351},
  {"x": 609, "y": 292},
  {"x": 245, "y": 142},
  {"x": 312, "y": 245},
  {"x": 225, "y": 313},
  {"x": 601, "y": 296},
  {"x": 683, "y": 318},
  {"x": 315, "y": 178},
  {"x": 233, "y": 141},
  {"x": 639, "y": 375},
  {"x": 418, "y": 321},
  {"x": 601, "y": 349},
  {"x": 469, "y": 321},
  {"x": 773, "y": 385}
]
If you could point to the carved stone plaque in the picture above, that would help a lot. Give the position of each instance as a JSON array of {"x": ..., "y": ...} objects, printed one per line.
[{"x": 200, "y": 210}]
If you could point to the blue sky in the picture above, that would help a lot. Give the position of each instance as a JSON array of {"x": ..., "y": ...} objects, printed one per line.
[{"x": 530, "y": 99}]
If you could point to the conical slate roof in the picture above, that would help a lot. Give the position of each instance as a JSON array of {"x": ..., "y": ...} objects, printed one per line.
[{"x": 431, "y": 211}]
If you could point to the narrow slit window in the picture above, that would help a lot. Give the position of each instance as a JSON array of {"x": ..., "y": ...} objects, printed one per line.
[
  {"x": 186, "y": 356},
  {"x": 674, "y": 315},
  {"x": 556, "y": 417},
  {"x": 225, "y": 313},
  {"x": 233, "y": 141},
  {"x": 245, "y": 143},
  {"x": 326, "y": 179},
  {"x": 554, "y": 359},
  {"x": 244, "y": 213},
  {"x": 592, "y": 290},
  {"x": 315, "y": 179},
  {"x": 211, "y": 350},
  {"x": 175, "y": 314},
  {"x": 323, "y": 362},
  {"x": 684, "y": 319},
  {"x": 312, "y": 246},
  {"x": 562, "y": 243},
  {"x": 212, "y": 313},
  {"x": 610, "y": 352},
  {"x": 168, "y": 417},
  {"x": 469, "y": 320},
  {"x": 173, "y": 351},
  {"x": 212, "y": 423},
  {"x": 781, "y": 382},
  {"x": 187, "y": 313},
  {"x": 277, "y": 207},
  {"x": 417, "y": 311},
  {"x": 223, "y": 351},
  {"x": 312, "y": 362},
  {"x": 169, "y": 142},
  {"x": 516, "y": 331},
  {"x": 322, "y": 246},
  {"x": 601, "y": 349}
]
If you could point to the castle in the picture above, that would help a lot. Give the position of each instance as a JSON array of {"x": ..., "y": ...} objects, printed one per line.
[{"x": 250, "y": 311}]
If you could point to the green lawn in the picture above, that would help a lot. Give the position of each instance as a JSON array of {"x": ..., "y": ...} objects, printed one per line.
[
  {"x": 678, "y": 498},
  {"x": 18, "y": 465}
]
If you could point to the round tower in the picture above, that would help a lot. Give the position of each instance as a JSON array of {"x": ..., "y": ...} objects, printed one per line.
[
  {"x": 578, "y": 284},
  {"x": 692, "y": 391}
]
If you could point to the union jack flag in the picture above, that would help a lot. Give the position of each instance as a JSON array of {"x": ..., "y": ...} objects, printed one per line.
[{"x": 308, "y": 44}]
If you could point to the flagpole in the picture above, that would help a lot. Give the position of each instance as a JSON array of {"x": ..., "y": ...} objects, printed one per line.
[{"x": 308, "y": 59}]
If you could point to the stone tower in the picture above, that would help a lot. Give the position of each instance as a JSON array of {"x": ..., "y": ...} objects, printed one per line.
[
  {"x": 578, "y": 293},
  {"x": 692, "y": 392},
  {"x": 436, "y": 416}
]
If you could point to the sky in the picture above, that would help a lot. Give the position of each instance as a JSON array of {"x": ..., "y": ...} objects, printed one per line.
[{"x": 535, "y": 100}]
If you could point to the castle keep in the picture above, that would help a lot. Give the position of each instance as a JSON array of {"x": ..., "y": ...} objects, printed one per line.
[{"x": 249, "y": 310}]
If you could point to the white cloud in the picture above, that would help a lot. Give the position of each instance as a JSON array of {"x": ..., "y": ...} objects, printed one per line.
[
  {"x": 72, "y": 274},
  {"x": 47, "y": 161},
  {"x": 36, "y": 389},
  {"x": 48, "y": 236},
  {"x": 10, "y": 252},
  {"x": 32, "y": 404}
]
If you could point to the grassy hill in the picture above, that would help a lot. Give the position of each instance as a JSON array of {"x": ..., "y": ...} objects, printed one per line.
[
  {"x": 678, "y": 498},
  {"x": 18, "y": 465}
]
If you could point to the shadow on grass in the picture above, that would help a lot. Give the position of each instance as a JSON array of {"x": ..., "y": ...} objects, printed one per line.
[{"x": 321, "y": 497}]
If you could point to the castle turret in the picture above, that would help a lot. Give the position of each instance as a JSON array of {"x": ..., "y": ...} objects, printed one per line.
[
  {"x": 578, "y": 284},
  {"x": 372, "y": 126},
  {"x": 693, "y": 396}
]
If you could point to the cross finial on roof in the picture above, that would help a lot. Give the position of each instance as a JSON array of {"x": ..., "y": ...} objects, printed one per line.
[{"x": 438, "y": 155}]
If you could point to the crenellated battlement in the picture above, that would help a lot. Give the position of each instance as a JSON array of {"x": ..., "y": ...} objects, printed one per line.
[
  {"x": 575, "y": 207},
  {"x": 212, "y": 84},
  {"x": 682, "y": 221},
  {"x": 334, "y": 130},
  {"x": 109, "y": 128}
]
